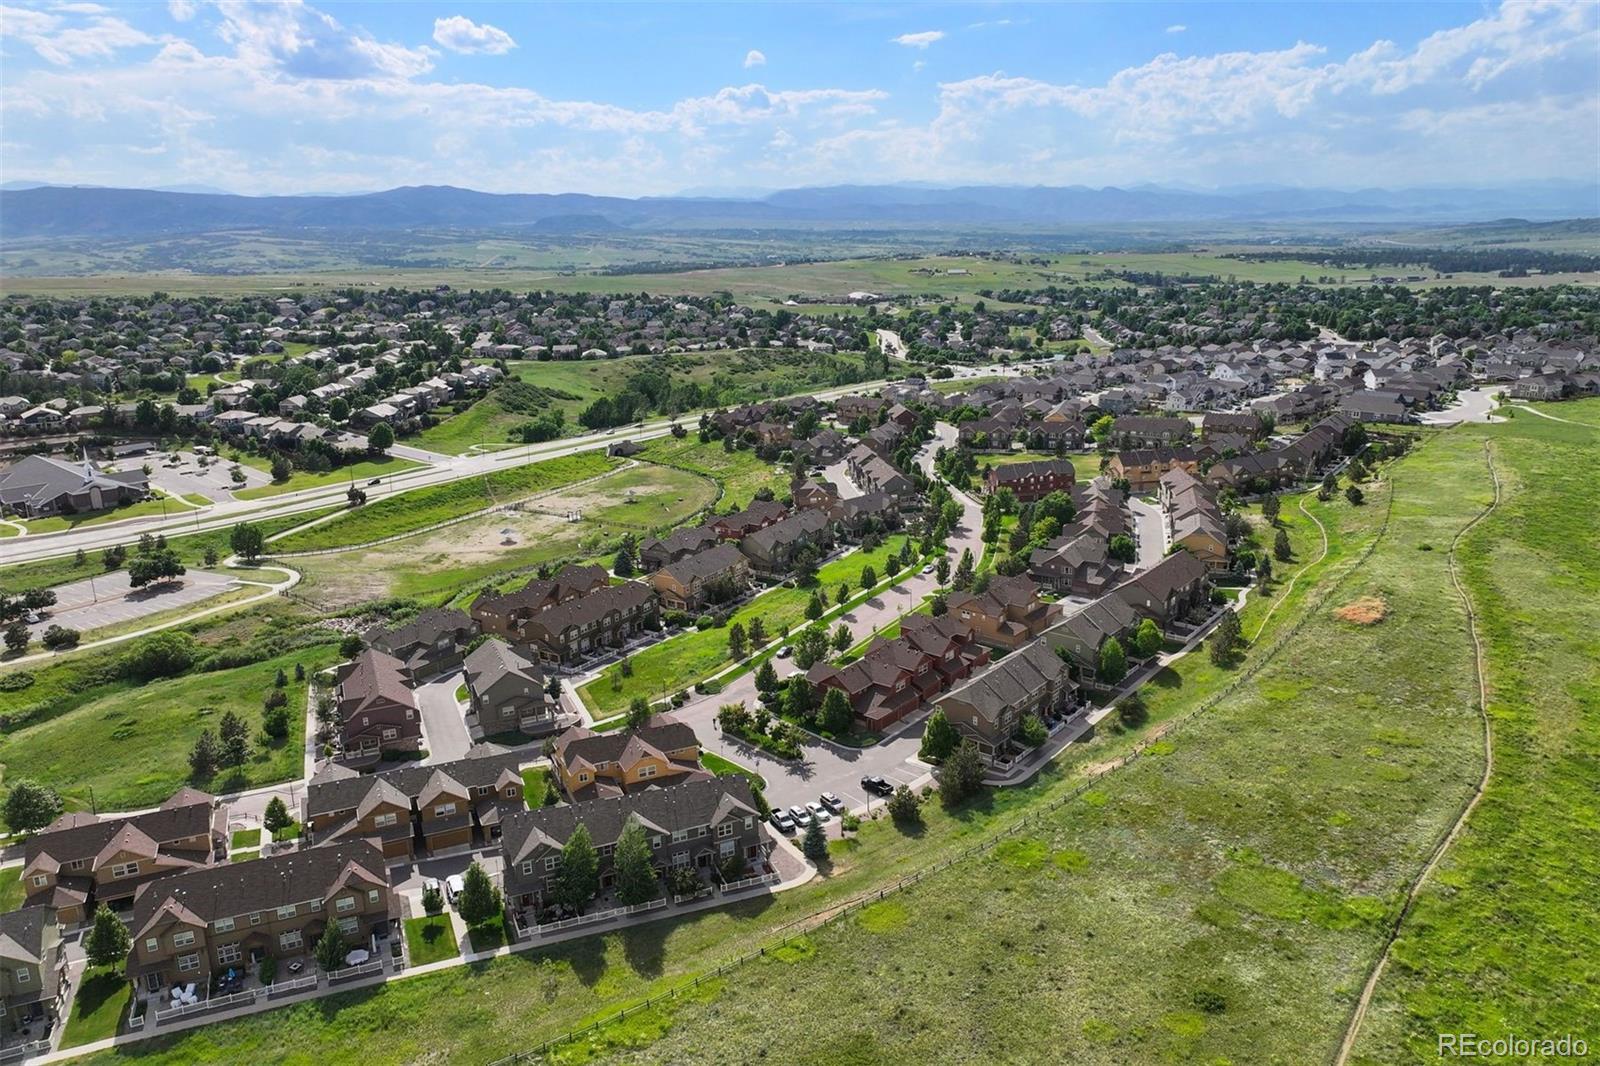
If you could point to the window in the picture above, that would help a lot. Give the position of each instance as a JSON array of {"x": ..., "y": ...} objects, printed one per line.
[
  {"x": 390, "y": 734},
  {"x": 680, "y": 835},
  {"x": 366, "y": 719},
  {"x": 749, "y": 823},
  {"x": 648, "y": 770},
  {"x": 286, "y": 912},
  {"x": 725, "y": 830},
  {"x": 372, "y": 896},
  {"x": 125, "y": 869},
  {"x": 527, "y": 868},
  {"x": 383, "y": 821},
  {"x": 410, "y": 714},
  {"x": 224, "y": 925},
  {"x": 315, "y": 905},
  {"x": 511, "y": 793},
  {"x": 228, "y": 953},
  {"x": 290, "y": 941},
  {"x": 655, "y": 842},
  {"x": 152, "y": 943},
  {"x": 255, "y": 918},
  {"x": 24, "y": 975},
  {"x": 480, "y": 790},
  {"x": 349, "y": 926},
  {"x": 345, "y": 905},
  {"x": 188, "y": 962},
  {"x": 508, "y": 711},
  {"x": 583, "y": 779},
  {"x": 444, "y": 810},
  {"x": 727, "y": 848},
  {"x": 551, "y": 862},
  {"x": 40, "y": 880},
  {"x": 183, "y": 939}
]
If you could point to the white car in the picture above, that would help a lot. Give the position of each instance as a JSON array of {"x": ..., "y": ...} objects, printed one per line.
[
  {"x": 819, "y": 812},
  {"x": 801, "y": 816},
  {"x": 454, "y": 885}
]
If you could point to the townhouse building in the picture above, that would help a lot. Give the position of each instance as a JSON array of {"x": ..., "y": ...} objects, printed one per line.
[
  {"x": 588, "y": 764},
  {"x": 989, "y": 707},
  {"x": 377, "y": 709}
]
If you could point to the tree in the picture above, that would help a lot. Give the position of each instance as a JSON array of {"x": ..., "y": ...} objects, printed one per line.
[
  {"x": 275, "y": 719},
  {"x": 1113, "y": 662},
  {"x": 578, "y": 879},
  {"x": 736, "y": 641},
  {"x": 905, "y": 806},
  {"x": 635, "y": 869},
  {"x": 351, "y": 646},
  {"x": 622, "y": 564},
  {"x": 836, "y": 713},
  {"x": 159, "y": 655},
  {"x": 815, "y": 843},
  {"x": 810, "y": 647},
  {"x": 1225, "y": 638},
  {"x": 758, "y": 632},
  {"x": 1281, "y": 548},
  {"x": 113, "y": 557},
  {"x": 432, "y": 898},
  {"x": 1270, "y": 508},
  {"x": 1032, "y": 731},
  {"x": 799, "y": 701},
  {"x": 766, "y": 680},
  {"x": 330, "y": 951},
  {"x": 235, "y": 740},
  {"x": 963, "y": 576},
  {"x": 942, "y": 570},
  {"x": 869, "y": 578},
  {"x": 282, "y": 469},
  {"x": 1122, "y": 548},
  {"x": 57, "y": 637},
  {"x": 108, "y": 941},
  {"x": 841, "y": 596},
  {"x": 480, "y": 900},
  {"x": 381, "y": 439},
  {"x": 160, "y": 565},
  {"x": 277, "y": 817},
  {"x": 638, "y": 712},
  {"x": 841, "y": 638},
  {"x": 17, "y": 637},
  {"x": 1146, "y": 639},
  {"x": 939, "y": 738},
  {"x": 1354, "y": 495},
  {"x": 31, "y": 806},
  {"x": 961, "y": 776},
  {"x": 814, "y": 607},
  {"x": 246, "y": 541},
  {"x": 203, "y": 757}
]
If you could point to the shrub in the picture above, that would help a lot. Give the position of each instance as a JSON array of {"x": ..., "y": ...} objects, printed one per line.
[
  {"x": 159, "y": 655},
  {"x": 905, "y": 807},
  {"x": 432, "y": 899},
  {"x": 60, "y": 637},
  {"x": 269, "y": 970}
]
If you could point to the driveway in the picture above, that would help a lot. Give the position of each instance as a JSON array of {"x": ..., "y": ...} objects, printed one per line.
[
  {"x": 108, "y": 599},
  {"x": 1151, "y": 531},
  {"x": 839, "y": 475},
  {"x": 444, "y": 726}
]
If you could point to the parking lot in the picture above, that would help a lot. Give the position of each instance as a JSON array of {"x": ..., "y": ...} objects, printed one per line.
[
  {"x": 187, "y": 475},
  {"x": 107, "y": 599}
]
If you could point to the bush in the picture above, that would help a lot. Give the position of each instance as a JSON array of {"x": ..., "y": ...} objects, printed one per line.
[
  {"x": 905, "y": 807},
  {"x": 60, "y": 637},
  {"x": 15, "y": 682},
  {"x": 432, "y": 899},
  {"x": 683, "y": 881},
  {"x": 159, "y": 655}
]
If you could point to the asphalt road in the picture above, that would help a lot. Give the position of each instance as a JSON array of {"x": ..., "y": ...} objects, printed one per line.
[{"x": 443, "y": 726}]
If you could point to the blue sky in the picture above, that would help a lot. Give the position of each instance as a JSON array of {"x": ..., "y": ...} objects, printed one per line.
[{"x": 653, "y": 98}]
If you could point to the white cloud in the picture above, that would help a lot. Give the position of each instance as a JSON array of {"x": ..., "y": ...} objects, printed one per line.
[
  {"x": 1176, "y": 27},
  {"x": 754, "y": 58},
  {"x": 181, "y": 10},
  {"x": 918, "y": 40},
  {"x": 62, "y": 41},
  {"x": 460, "y": 34}
]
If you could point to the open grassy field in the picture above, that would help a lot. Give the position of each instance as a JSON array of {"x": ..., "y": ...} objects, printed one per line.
[
  {"x": 676, "y": 663},
  {"x": 427, "y": 506},
  {"x": 467, "y": 555},
  {"x": 191, "y": 548},
  {"x": 359, "y": 473},
  {"x": 741, "y": 473},
  {"x": 1504, "y": 937},
  {"x": 150, "y": 728}
]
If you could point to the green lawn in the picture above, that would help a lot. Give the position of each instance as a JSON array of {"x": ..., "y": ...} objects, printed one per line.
[
  {"x": 1504, "y": 937},
  {"x": 288, "y": 832},
  {"x": 151, "y": 728},
  {"x": 245, "y": 838},
  {"x": 424, "y": 507},
  {"x": 431, "y": 939},
  {"x": 728, "y": 768},
  {"x": 11, "y": 891},
  {"x": 360, "y": 473},
  {"x": 680, "y": 661},
  {"x": 57, "y": 524},
  {"x": 99, "y": 1008},
  {"x": 244, "y": 856},
  {"x": 740, "y": 472},
  {"x": 191, "y": 548},
  {"x": 534, "y": 780}
]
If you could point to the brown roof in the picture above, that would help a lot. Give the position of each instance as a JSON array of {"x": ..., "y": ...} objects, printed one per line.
[{"x": 374, "y": 677}]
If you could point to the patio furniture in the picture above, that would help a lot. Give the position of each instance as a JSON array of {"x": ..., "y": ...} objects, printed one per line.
[
  {"x": 357, "y": 957},
  {"x": 297, "y": 965}
]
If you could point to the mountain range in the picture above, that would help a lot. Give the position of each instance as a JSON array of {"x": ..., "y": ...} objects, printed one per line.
[{"x": 88, "y": 211}]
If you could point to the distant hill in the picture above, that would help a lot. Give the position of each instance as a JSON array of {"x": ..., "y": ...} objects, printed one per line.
[{"x": 81, "y": 211}]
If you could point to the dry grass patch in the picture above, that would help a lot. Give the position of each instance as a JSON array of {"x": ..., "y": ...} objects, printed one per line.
[{"x": 1367, "y": 611}]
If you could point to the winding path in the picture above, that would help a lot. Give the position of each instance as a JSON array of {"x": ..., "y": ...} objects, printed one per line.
[
  {"x": 1322, "y": 529},
  {"x": 1359, "y": 1014}
]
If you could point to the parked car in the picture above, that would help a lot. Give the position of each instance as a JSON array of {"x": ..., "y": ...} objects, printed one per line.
[
  {"x": 454, "y": 885},
  {"x": 782, "y": 822},
  {"x": 832, "y": 802},
  {"x": 928, "y": 569},
  {"x": 801, "y": 816},
  {"x": 819, "y": 812},
  {"x": 785, "y": 651},
  {"x": 876, "y": 784}
]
